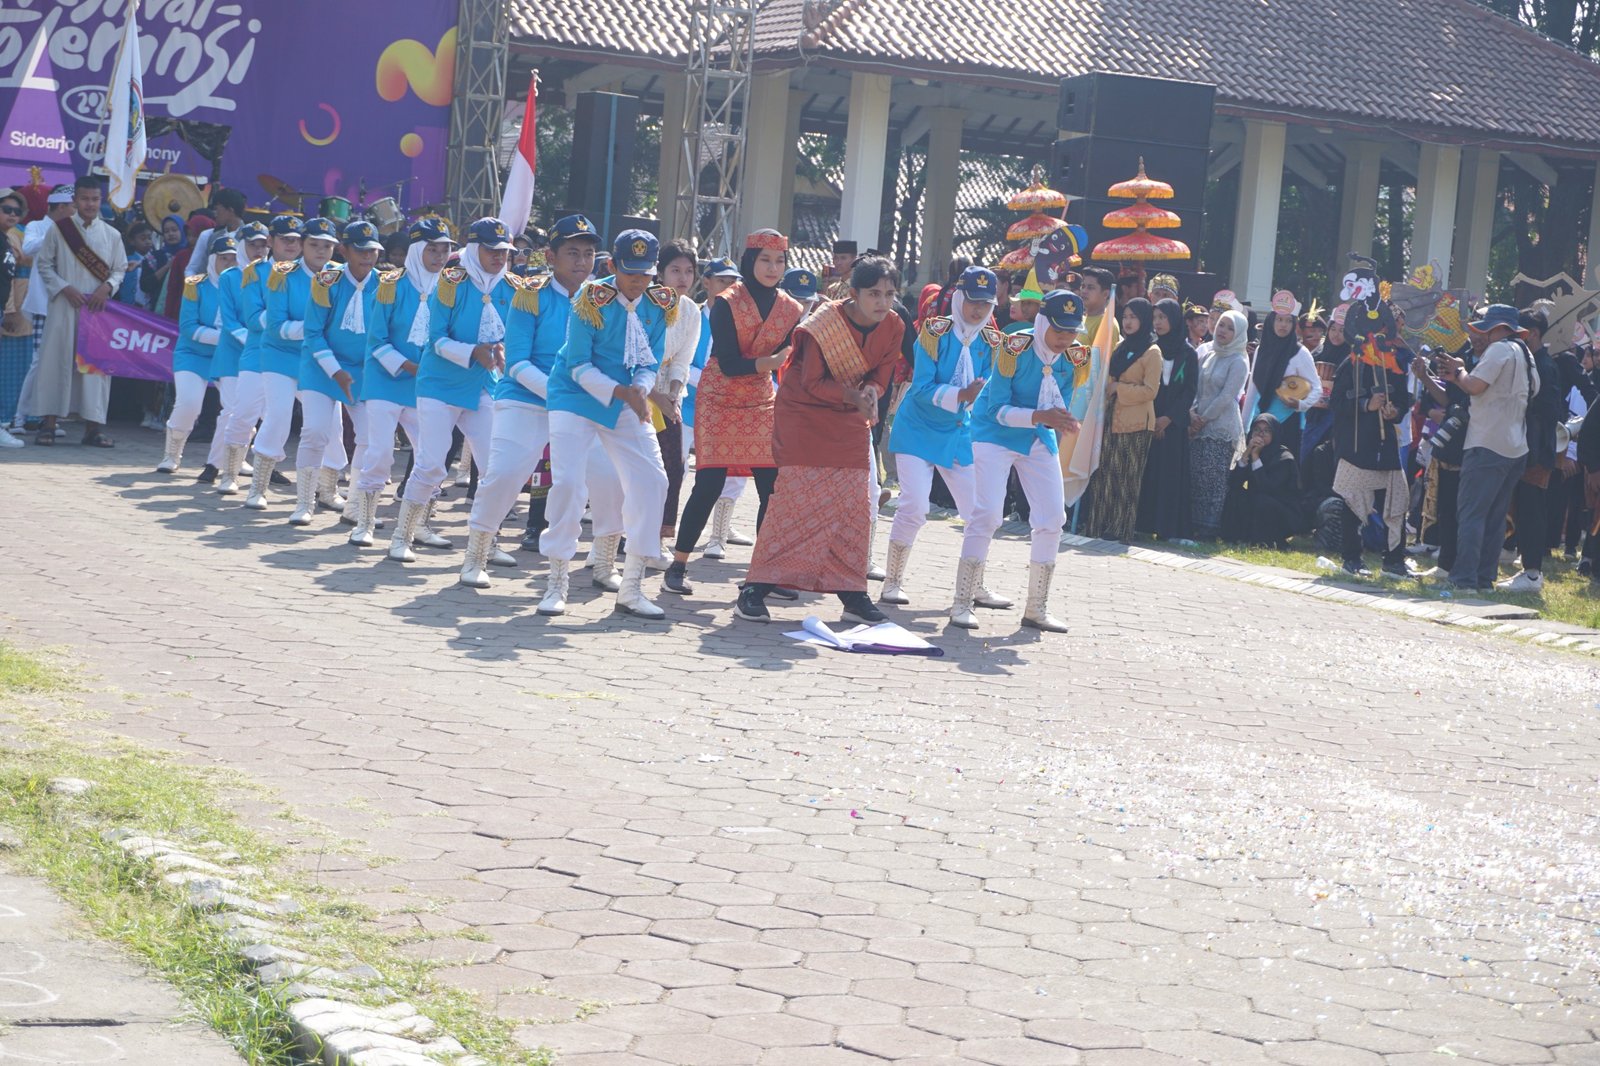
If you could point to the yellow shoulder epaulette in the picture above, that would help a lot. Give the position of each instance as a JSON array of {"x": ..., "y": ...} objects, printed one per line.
[
  {"x": 526, "y": 299},
  {"x": 993, "y": 337},
  {"x": 280, "y": 274},
  {"x": 191, "y": 286},
  {"x": 933, "y": 328},
  {"x": 387, "y": 283},
  {"x": 666, "y": 298},
  {"x": 247, "y": 274},
  {"x": 320, "y": 285},
  {"x": 449, "y": 278},
  {"x": 591, "y": 298},
  {"x": 1005, "y": 359}
]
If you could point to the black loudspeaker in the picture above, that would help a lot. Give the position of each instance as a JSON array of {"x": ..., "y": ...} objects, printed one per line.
[
  {"x": 605, "y": 129},
  {"x": 1112, "y": 121}
]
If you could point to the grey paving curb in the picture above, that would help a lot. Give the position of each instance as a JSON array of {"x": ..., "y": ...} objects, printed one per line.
[
  {"x": 321, "y": 1009},
  {"x": 1539, "y": 631}
]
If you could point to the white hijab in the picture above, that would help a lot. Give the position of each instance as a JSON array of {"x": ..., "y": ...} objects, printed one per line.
[
  {"x": 424, "y": 281},
  {"x": 1049, "y": 391},
  {"x": 215, "y": 275},
  {"x": 965, "y": 335},
  {"x": 491, "y": 330}
]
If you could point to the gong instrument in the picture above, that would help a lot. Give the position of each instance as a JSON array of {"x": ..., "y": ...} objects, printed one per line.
[{"x": 171, "y": 194}]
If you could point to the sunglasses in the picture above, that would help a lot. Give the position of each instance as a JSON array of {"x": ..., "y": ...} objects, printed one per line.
[{"x": 10, "y": 209}]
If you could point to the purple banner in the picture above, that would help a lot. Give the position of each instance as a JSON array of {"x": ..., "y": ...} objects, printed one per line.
[
  {"x": 330, "y": 96},
  {"x": 126, "y": 342}
]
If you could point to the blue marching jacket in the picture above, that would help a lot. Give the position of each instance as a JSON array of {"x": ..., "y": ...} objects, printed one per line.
[
  {"x": 595, "y": 339},
  {"x": 535, "y": 335},
  {"x": 252, "y": 312},
  {"x": 391, "y": 347},
  {"x": 326, "y": 336},
  {"x": 230, "y": 346},
  {"x": 197, "y": 328},
  {"x": 1006, "y": 405},
  {"x": 454, "y": 311},
  {"x": 931, "y": 423},
  {"x": 287, "y": 302}
]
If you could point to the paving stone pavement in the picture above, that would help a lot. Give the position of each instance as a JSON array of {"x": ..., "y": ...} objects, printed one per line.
[{"x": 1216, "y": 823}]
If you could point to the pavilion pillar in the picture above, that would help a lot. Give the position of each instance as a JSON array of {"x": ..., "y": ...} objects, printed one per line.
[
  {"x": 768, "y": 154},
  {"x": 1433, "y": 221},
  {"x": 1358, "y": 211},
  {"x": 791, "y": 145},
  {"x": 1593, "y": 252},
  {"x": 944, "y": 178},
  {"x": 1480, "y": 185},
  {"x": 670, "y": 180},
  {"x": 865, "y": 154},
  {"x": 1255, "y": 234}
]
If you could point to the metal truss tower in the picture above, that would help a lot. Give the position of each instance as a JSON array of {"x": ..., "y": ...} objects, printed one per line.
[
  {"x": 483, "y": 52},
  {"x": 722, "y": 52}
]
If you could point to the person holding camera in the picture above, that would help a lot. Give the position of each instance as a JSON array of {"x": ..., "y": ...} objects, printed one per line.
[{"x": 1530, "y": 503}]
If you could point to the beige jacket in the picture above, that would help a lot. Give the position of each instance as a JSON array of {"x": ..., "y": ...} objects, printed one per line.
[{"x": 1134, "y": 406}]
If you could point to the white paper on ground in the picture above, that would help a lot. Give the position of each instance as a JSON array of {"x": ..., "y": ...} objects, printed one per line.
[{"x": 883, "y": 635}]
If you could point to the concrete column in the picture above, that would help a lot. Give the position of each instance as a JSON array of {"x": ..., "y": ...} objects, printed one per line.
[
  {"x": 865, "y": 154},
  {"x": 1255, "y": 234},
  {"x": 670, "y": 178},
  {"x": 1593, "y": 253},
  {"x": 1433, "y": 220},
  {"x": 944, "y": 178},
  {"x": 1480, "y": 184},
  {"x": 766, "y": 153},
  {"x": 1358, "y": 211},
  {"x": 791, "y": 160}
]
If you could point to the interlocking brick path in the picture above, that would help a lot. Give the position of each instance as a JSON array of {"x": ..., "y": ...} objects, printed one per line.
[{"x": 1216, "y": 823}]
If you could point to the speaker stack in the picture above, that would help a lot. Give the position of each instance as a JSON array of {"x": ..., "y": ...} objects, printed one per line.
[{"x": 1108, "y": 122}]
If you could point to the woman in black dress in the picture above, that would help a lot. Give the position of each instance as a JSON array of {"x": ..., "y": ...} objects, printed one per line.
[{"x": 1164, "y": 498}]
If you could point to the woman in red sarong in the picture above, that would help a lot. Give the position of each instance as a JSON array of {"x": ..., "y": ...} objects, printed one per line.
[
  {"x": 818, "y": 534},
  {"x": 733, "y": 416}
]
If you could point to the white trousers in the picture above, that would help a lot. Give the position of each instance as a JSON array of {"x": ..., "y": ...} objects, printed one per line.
[
  {"x": 521, "y": 432},
  {"x": 322, "y": 432},
  {"x": 244, "y": 412},
  {"x": 1040, "y": 474},
  {"x": 228, "y": 393},
  {"x": 436, "y": 422},
  {"x": 277, "y": 413},
  {"x": 634, "y": 455},
  {"x": 916, "y": 486},
  {"x": 189, "y": 391},
  {"x": 377, "y": 462},
  {"x": 732, "y": 488}
]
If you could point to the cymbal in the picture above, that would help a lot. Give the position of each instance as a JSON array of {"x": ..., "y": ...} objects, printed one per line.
[{"x": 279, "y": 189}]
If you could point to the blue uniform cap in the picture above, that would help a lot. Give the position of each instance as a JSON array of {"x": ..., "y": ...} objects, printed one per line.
[
  {"x": 979, "y": 284},
  {"x": 427, "y": 231},
  {"x": 800, "y": 283},
  {"x": 722, "y": 268},
  {"x": 1063, "y": 309},
  {"x": 285, "y": 226},
  {"x": 252, "y": 231},
  {"x": 321, "y": 229},
  {"x": 362, "y": 236},
  {"x": 572, "y": 226},
  {"x": 635, "y": 252},
  {"x": 492, "y": 234},
  {"x": 222, "y": 242}
]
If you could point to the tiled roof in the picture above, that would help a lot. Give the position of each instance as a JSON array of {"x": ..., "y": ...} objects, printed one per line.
[{"x": 1446, "y": 65}]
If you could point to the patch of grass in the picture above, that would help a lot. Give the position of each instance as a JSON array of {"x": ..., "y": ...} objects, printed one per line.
[
  {"x": 1567, "y": 596},
  {"x": 123, "y": 900}
]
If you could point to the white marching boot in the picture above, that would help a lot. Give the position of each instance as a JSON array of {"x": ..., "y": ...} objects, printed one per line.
[
  {"x": 1036, "y": 614},
  {"x": 425, "y": 535},
  {"x": 721, "y": 525},
  {"x": 479, "y": 545},
  {"x": 967, "y": 573},
  {"x": 603, "y": 559},
  {"x": 260, "y": 482},
  {"x": 172, "y": 457},
  {"x": 366, "y": 507},
  {"x": 630, "y": 594},
  {"x": 405, "y": 528},
  {"x": 232, "y": 462},
  {"x": 986, "y": 599},
  {"x": 899, "y": 555},
  {"x": 874, "y": 571},
  {"x": 305, "y": 499},
  {"x": 328, "y": 488},
  {"x": 351, "y": 515},
  {"x": 555, "y": 589}
]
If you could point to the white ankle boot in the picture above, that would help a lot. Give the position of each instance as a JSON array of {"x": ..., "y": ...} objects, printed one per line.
[
  {"x": 899, "y": 555},
  {"x": 603, "y": 559},
  {"x": 260, "y": 482},
  {"x": 630, "y": 593},
  {"x": 986, "y": 599},
  {"x": 555, "y": 589},
  {"x": 366, "y": 506},
  {"x": 172, "y": 457},
  {"x": 479, "y": 545},
  {"x": 232, "y": 460},
  {"x": 425, "y": 535},
  {"x": 328, "y": 488},
  {"x": 405, "y": 528},
  {"x": 305, "y": 498},
  {"x": 721, "y": 520},
  {"x": 1036, "y": 615},
  {"x": 874, "y": 571},
  {"x": 967, "y": 573}
]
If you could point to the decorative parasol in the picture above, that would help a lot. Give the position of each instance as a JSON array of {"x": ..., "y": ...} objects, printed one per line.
[
  {"x": 1018, "y": 260},
  {"x": 1033, "y": 227},
  {"x": 1037, "y": 196},
  {"x": 1141, "y": 216}
]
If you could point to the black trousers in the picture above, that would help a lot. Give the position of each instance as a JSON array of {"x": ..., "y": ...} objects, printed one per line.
[
  {"x": 708, "y": 483},
  {"x": 1350, "y": 542},
  {"x": 1530, "y": 506}
]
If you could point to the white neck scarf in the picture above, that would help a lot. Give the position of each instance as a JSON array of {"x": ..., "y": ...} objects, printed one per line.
[
  {"x": 965, "y": 335},
  {"x": 636, "y": 351},
  {"x": 491, "y": 330},
  {"x": 355, "y": 312},
  {"x": 1049, "y": 392},
  {"x": 424, "y": 281}
]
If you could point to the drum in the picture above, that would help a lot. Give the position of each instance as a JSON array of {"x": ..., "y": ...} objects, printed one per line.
[
  {"x": 336, "y": 208},
  {"x": 386, "y": 214}
]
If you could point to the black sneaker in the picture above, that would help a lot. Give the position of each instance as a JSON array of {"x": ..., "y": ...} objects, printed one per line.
[
  {"x": 530, "y": 543},
  {"x": 1356, "y": 568},
  {"x": 207, "y": 476},
  {"x": 280, "y": 478},
  {"x": 858, "y": 607},
  {"x": 752, "y": 605},
  {"x": 676, "y": 579},
  {"x": 1586, "y": 568},
  {"x": 785, "y": 594}
]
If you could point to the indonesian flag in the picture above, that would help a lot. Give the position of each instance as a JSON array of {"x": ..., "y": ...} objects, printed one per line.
[
  {"x": 1080, "y": 452},
  {"x": 125, "y": 136},
  {"x": 517, "y": 202}
]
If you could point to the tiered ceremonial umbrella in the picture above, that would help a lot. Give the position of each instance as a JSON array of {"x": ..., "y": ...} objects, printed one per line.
[
  {"x": 1037, "y": 200},
  {"x": 1141, "y": 217}
]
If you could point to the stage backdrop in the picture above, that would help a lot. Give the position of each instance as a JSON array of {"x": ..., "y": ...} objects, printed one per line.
[{"x": 321, "y": 93}]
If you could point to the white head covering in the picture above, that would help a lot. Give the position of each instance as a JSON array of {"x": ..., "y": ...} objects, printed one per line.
[
  {"x": 491, "y": 330},
  {"x": 1241, "y": 335},
  {"x": 1049, "y": 391},
  {"x": 424, "y": 281},
  {"x": 965, "y": 333}
]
